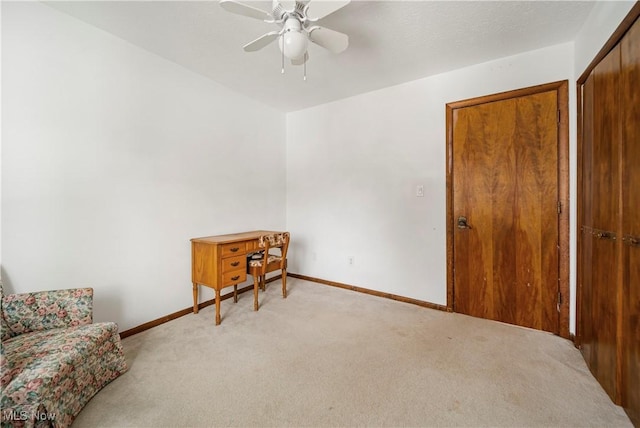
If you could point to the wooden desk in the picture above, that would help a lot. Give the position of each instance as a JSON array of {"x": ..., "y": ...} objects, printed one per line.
[{"x": 221, "y": 261}]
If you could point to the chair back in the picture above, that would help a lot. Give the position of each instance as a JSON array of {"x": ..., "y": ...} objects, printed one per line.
[{"x": 275, "y": 240}]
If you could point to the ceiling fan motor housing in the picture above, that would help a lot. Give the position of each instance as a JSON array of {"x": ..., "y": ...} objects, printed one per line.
[{"x": 293, "y": 42}]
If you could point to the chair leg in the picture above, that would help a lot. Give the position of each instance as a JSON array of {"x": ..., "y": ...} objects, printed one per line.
[
  {"x": 263, "y": 283},
  {"x": 256, "y": 284},
  {"x": 284, "y": 284},
  {"x": 235, "y": 293}
]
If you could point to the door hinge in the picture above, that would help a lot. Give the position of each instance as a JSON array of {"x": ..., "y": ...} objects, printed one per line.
[
  {"x": 559, "y": 301},
  {"x": 559, "y": 207},
  {"x": 558, "y": 115}
]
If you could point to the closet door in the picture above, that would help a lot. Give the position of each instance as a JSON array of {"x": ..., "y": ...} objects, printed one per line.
[
  {"x": 630, "y": 107},
  {"x": 586, "y": 228},
  {"x": 601, "y": 312}
]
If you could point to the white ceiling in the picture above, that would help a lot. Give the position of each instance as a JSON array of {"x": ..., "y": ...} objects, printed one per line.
[{"x": 390, "y": 42}]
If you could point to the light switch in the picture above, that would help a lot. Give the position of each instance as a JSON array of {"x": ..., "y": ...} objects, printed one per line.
[{"x": 420, "y": 190}]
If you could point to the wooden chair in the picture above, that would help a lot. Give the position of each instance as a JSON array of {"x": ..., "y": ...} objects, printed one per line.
[{"x": 269, "y": 262}]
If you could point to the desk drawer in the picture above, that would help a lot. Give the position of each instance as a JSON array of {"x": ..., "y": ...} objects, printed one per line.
[
  {"x": 234, "y": 277},
  {"x": 234, "y": 249},
  {"x": 234, "y": 263},
  {"x": 252, "y": 246}
]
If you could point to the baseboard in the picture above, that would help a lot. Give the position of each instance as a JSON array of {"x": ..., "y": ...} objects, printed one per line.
[
  {"x": 186, "y": 311},
  {"x": 422, "y": 303},
  {"x": 572, "y": 338}
]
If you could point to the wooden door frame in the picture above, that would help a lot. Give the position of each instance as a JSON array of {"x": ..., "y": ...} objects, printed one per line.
[{"x": 562, "y": 90}]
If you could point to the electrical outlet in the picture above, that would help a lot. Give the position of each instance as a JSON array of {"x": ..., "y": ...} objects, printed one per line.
[
  {"x": 420, "y": 190},
  {"x": 351, "y": 260}
]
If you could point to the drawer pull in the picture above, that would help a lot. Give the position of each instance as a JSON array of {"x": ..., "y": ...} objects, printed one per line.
[
  {"x": 234, "y": 249},
  {"x": 631, "y": 240},
  {"x": 235, "y": 264},
  {"x": 234, "y": 278}
]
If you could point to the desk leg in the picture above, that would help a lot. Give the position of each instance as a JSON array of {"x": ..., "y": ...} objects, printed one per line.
[
  {"x": 195, "y": 298},
  {"x": 217, "y": 307},
  {"x": 235, "y": 293}
]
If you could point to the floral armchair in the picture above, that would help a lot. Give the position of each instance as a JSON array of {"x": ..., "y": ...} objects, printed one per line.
[{"x": 53, "y": 359}]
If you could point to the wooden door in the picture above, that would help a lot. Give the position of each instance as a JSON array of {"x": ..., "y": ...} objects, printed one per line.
[
  {"x": 600, "y": 291},
  {"x": 608, "y": 304},
  {"x": 630, "y": 110},
  {"x": 505, "y": 209}
]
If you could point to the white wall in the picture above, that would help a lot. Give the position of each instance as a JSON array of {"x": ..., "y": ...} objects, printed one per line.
[
  {"x": 113, "y": 158},
  {"x": 599, "y": 26},
  {"x": 353, "y": 166}
]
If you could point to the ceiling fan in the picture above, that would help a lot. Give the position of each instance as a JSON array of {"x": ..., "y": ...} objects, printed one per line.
[{"x": 297, "y": 27}]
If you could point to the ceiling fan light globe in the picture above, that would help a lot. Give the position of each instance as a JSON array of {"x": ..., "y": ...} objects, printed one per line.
[{"x": 293, "y": 44}]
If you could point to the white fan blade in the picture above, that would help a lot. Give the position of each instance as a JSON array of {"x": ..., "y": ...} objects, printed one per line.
[
  {"x": 261, "y": 41},
  {"x": 317, "y": 9},
  {"x": 335, "y": 41},
  {"x": 302, "y": 60},
  {"x": 245, "y": 10}
]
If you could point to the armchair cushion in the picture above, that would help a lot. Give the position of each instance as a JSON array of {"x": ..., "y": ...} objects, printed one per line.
[
  {"x": 4, "y": 327},
  {"x": 57, "y": 371},
  {"x": 44, "y": 310}
]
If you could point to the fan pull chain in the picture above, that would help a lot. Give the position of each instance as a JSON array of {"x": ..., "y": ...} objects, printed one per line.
[
  {"x": 282, "y": 54},
  {"x": 305, "y": 67}
]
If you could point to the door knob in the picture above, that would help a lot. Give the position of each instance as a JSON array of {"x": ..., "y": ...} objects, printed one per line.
[{"x": 462, "y": 223}]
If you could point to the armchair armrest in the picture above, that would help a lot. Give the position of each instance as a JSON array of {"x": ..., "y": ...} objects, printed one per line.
[{"x": 44, "y": 310}]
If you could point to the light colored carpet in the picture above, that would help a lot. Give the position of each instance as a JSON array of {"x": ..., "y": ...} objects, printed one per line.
[{"x": 332, "y": 357}]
